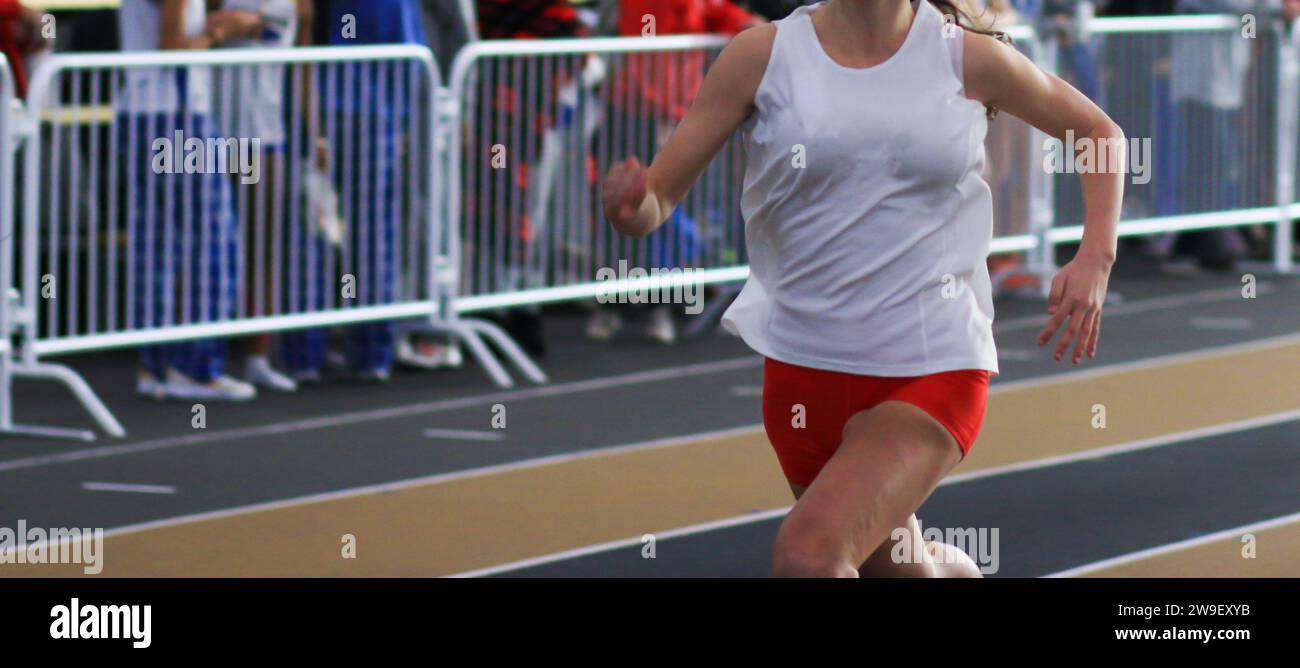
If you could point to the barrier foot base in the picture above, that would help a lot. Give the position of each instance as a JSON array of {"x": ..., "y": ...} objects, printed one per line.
[
  {"x": 473, "y": 332},
  {"x": 34, "y": 431},
  {"x": 81, "y": 389}
]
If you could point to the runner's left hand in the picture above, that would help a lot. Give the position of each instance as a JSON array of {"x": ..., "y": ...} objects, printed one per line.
[{"x": 1078, "y": 292}]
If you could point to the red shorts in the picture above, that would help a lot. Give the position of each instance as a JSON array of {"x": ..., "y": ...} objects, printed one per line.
[{"x": 956, "y": 399}]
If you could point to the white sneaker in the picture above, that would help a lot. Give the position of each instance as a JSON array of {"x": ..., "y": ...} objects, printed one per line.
[
  {"x": 603, "y": 324},
  {"x": 148, "y": 385},
  {"x": 258, "y": 371},
  {"x": 222, "y": 388},
  {"x": 426, "y": 354},
  {"x": 661, "y": 327}
]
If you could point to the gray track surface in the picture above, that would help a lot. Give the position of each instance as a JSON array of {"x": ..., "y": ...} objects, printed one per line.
[{"x": 340, "y": 435}]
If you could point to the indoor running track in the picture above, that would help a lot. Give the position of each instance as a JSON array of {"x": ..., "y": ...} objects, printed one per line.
[{"x": 1201, "y": 446}]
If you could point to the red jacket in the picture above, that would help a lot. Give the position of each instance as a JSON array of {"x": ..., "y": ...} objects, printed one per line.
[
  {"x": 682, "y": 17},
  {"x": 10, "y": 14},
  {"x": 648, "y": 77}
]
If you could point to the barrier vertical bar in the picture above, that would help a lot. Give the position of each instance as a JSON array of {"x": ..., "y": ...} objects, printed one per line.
[
  {"x": 1288, "y": 144},
  {"x": 1042, "y": 258},
  {"x": 7, "y": 182}
]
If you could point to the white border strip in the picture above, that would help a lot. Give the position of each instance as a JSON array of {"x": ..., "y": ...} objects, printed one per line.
[
  {"x": 626, "y": 542},
  {"x": 127, "y": 488},
  {"x": 1047, "y": 462},
  {"x": 464, "y": 434},
  {"x": 408, "y": 410},
  {"x": 1175, "y": 547},
  {"x": 601, "y": 383}
]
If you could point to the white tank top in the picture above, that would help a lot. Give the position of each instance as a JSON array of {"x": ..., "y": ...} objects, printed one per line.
[
  {"x": 257, "y": 101},
  {"x": 866, "y": 219},
  {"x": 148, "y": 90}
]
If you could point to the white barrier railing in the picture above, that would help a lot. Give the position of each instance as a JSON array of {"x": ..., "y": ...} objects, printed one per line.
[
  {"x": 1201, "y": 91},
  {"x": 540, "y": 119},
  {"x": 171, "y": 203}
]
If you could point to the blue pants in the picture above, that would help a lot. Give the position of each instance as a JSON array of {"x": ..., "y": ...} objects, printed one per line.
[
  {"x": 186, "y": 244},
  {"x": 368, "y": 202}
]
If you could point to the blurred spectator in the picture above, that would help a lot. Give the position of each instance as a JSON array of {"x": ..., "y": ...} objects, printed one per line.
[
  {"x": 373, "y": 121},
  {"x": 182, "y": 225},
  {"x": 254, "y": 107},
  {"x": 1137, "y": 71},
  {"x": 1207, "y": 82},
  {"x": 528, "y": 19},
  {"x": 600, "y": 16},
  {"x": 20, "y": 37}
]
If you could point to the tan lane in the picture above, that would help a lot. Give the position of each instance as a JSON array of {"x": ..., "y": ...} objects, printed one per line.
[
  {"x": 477, "y": 521},
  {"x": 1276, "y": 555}
]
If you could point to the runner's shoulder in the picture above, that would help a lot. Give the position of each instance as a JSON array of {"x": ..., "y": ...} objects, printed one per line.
[
  {"x": 745, "y": 59},
  {"x": 754, "y": 45}
]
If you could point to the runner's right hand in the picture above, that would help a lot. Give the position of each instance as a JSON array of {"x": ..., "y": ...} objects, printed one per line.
[{"x": 623, "y": 192}]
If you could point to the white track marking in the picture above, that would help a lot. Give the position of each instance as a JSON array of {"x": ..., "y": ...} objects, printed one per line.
[
  {"x": 747, "y": 391},
  {"x": 1221, "y": 324},
  {"x": 127, "y": 488},
  {"x": 464, "y": 434},
  {"x": 1144, "y": 306},
  {"x": 358, "y": 417},
  {"x": 546, "y": 391},
  {"x": 1131, "y": 446},
  {"x": 627, "y": 542},
  {"x": 1046, "y": 462},
  {"x": 690, "y": 438},
  {"x": 397, "y": 486},
  {"x": 1084, "y": 373},
  {"x": 1235, "y": 532},
  {"x": 575, "y": 387}
]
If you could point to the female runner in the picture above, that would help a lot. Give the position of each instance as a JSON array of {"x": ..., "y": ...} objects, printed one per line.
[{"x": 868, "y": 224}]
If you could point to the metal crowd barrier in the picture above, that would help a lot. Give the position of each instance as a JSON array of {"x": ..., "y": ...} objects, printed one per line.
[
  {"x": 541, "y": 120},
  {"x": 221, "y": 194},
  {"x": 1210, "y": 99}
]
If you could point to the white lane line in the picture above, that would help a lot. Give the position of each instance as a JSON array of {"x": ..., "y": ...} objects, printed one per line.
[
  {"x": 747, "y": 391},
  {"x": 671, "y": 373},
  {"x": 1143, "y": 306},
  {"x": 464, "y": 434},
  {"x": 627, "y": 542},
  {"x": 127, "y": 488},
  {"x": 1131, "y": 446},
  {"x": 1046, "y": 462},
  {"x": 397, "y": 486},
  {"x": 359, "y": 417},
  {"x": 1221, "y": 324},
  {"x": 1082, "y": 373},
  {"x": 1235, "y": 532},
  {"x": 565, "y": 457}
]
